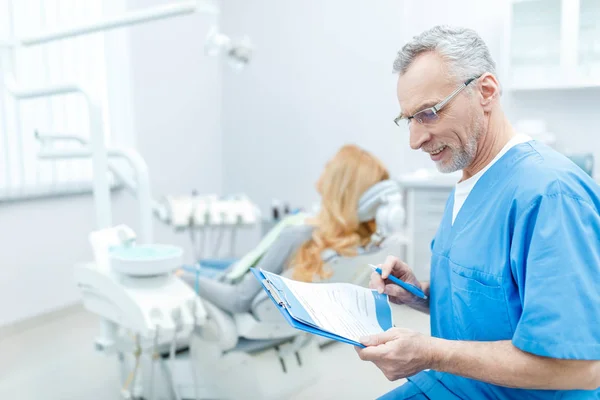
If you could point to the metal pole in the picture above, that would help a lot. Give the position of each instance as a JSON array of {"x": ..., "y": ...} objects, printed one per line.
[
  {"x": 132, "y": 18},
  {"x": 141, "y": 186},
  {"x": 99, "y": 156}
]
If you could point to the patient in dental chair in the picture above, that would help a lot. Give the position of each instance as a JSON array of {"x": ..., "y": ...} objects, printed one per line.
[{"x": 297, "y": 250}]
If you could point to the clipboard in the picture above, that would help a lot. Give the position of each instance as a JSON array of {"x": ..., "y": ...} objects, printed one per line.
[{"x": 301, "y": 320}]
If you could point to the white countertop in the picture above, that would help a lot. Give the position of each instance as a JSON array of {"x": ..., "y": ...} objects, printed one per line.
[{"x": 429, "y": 179}]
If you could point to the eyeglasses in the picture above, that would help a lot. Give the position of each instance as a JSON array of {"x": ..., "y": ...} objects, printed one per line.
[{"x": 430, "y": 115}]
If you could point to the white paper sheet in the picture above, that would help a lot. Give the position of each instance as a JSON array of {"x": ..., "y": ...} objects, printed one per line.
[{"x": 343, "y": 309}]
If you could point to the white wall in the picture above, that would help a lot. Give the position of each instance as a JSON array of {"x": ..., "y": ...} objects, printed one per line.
[
  {"x": 177, "y": 101},
  {"x": 572, "y": 116},
  {"x": 176, "y": 110},
  {"x": 177, "y": 105},
  {"x": 39, "y": 244},
  {"x": 321, "y": 77}
]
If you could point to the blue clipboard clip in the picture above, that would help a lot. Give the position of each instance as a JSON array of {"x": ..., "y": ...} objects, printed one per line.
[{"x": 278, "y": 295}]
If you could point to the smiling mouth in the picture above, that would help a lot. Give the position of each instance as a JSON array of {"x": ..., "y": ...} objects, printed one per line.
[{"x": 437, "y": 151}]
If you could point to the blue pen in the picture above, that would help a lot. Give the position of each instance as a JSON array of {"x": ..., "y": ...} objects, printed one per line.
[{"x": 411, "y": 288}]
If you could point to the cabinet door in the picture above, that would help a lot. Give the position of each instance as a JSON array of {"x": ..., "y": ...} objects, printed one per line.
[
  {"x": 535, "y": 42},
  {"x": 428, "y": 210},
  {"x": 553, "y": 44},
  {"x": 588, "y": 46}
]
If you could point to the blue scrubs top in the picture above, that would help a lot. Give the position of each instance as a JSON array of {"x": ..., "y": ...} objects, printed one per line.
[{"x": 520, "y": 263}]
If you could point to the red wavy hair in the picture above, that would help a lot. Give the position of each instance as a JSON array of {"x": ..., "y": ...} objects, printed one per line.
[{"x": 344, "y": 180}]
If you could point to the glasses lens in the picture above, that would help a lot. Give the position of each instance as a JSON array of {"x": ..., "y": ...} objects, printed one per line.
[{"x": 426, "y": 116}]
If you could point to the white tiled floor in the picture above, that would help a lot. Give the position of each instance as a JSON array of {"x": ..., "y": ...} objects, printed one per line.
[{"x": 56, "y": 360}]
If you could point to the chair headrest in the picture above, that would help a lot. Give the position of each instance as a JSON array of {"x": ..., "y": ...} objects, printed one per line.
[
  {"x": 374, "y": 197},
  {"x": 383, "y": 203}
]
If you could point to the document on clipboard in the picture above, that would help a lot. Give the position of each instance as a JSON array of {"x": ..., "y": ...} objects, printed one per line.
[{"x": 339, "y": 311}]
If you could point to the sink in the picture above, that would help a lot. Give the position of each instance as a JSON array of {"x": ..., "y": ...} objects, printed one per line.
[{"x": 145, "y": 260}]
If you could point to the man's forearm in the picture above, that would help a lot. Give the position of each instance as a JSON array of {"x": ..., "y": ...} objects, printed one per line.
[{"x": 503, "y": 364}]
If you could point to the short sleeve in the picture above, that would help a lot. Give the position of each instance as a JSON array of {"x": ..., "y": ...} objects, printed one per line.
[{"x": 555, "y": 260}]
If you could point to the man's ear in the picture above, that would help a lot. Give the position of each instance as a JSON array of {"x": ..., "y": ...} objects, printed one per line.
[{"x": 489, "y": 87}]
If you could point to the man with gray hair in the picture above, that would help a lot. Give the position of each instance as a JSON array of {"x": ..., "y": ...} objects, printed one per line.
[{"x": 513, "y": 296}]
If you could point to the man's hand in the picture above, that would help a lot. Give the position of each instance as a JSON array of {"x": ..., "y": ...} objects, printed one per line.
[
  {"x": 393, "y": 266},
  {"x": 398, "y": 352}
]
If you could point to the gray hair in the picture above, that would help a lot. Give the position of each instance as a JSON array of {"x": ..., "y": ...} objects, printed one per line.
[{"x": 463, "y": 49}]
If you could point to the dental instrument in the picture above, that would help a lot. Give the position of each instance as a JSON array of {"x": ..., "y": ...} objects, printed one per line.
[{"x": 130, "y": 284}]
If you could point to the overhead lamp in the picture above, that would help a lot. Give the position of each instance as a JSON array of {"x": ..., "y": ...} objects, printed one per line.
[{"x": 237, "y": 52}]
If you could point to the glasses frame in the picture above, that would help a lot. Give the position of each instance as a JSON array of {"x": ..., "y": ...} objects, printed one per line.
[{"x": 438, "y": 107}]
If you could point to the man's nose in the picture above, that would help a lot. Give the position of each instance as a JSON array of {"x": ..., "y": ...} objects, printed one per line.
[{"x": 418, "y": 135}]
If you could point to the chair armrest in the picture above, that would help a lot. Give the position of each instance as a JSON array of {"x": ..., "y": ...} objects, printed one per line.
[{"x": 220, "y": 327}]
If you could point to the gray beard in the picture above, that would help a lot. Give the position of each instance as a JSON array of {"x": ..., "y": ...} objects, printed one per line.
[{"x": 463, "y": 157}]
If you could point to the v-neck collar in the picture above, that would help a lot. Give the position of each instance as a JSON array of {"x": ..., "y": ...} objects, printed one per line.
[{"x": 481, "y": 193}]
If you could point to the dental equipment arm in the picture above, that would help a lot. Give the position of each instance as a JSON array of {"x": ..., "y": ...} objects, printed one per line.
[
  {"x": 98, "y": 152},
  {"x": 96, "y": 126},
  {"x": 140, "y": 187},
  {"x": 131, "y": 156},
  {"x": 129, "y": 19},
  {"x": 46, "y": 139}
]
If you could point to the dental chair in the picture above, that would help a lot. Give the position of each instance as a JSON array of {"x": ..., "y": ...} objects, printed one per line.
[{"x": 258, "y": 350}]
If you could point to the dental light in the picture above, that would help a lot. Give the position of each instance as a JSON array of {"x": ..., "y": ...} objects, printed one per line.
[{"x": 238, "y": 52}]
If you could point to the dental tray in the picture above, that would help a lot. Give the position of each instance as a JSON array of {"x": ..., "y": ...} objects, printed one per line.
[{"x": 145, "y": 260}]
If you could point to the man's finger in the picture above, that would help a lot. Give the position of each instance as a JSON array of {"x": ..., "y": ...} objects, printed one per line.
[
  {"x": 394, "y": 290},
  {"x": 374, "y": 353},
  {"x": 388, "y": 266},
  {"x": 380, "y": 338},
  {"x": 376, "y": 283}
]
